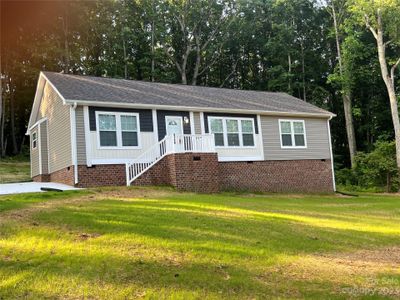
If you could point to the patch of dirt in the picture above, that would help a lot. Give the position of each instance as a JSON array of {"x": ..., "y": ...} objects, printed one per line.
[
  {"x": 86, "y": 236},
  {"x": 343, "y": 268}
]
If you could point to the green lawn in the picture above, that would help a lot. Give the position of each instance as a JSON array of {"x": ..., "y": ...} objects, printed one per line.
[
  {"x": 156, "y": 243},
  {"x": 14, "y": 170}
]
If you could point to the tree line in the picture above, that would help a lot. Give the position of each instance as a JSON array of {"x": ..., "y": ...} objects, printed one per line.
[{"x": 341, "y": 55}]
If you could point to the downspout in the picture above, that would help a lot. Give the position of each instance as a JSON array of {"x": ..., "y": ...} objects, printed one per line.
[
  {"x": 331, "y": 153},
  {"x": 73, "y": 141}
]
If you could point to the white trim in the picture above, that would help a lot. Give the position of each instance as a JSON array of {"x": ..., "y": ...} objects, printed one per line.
[
  {"x": 200, "y": 109},
  {"x": 240, "y": 158},
  {"x": 111, "y": 161},
  {"x": 331, "y": 153},
  {"x": 73, "y": 141},
  {"x": 191, "y": 119},
  {"x": 261, "y": 138},
  {"x": 37, "y": 123},
  {"x": 166, "y": 123},
  {"x": 202, "y": 123},
  {"x": 240, "y": 133},
  {"x": 39, "y": 147},
  {"x": 155, "y": 124},
  {"x": 38, "y": 94},
  {"x": 292, "y": 134},
  {"x": 48, "y": 148},
  {"x": 87, "y": 136},
  {"x": 118, "y": 130}
]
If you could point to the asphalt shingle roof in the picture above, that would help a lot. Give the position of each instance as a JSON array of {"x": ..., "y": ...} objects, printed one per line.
[{"x": 101, "y": 89}]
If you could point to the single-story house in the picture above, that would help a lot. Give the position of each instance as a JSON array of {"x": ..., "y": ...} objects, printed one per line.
[{"x": 95, "y": 131}]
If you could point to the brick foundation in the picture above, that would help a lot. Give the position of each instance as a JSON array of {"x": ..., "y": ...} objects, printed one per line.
[
  {"x": 101, "y": 175},
  {"x": 311, "y": 176},
  {"x": 41, "y": 178},
  {"x": 197, "y": 172},
  {"x": 201, "y": 172},
  {"x": 65, "y": 176}
]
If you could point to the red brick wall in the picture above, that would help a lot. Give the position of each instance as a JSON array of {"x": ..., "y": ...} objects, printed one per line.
[
  {"x": 197, "y": 172},
  {"x": 208, "y": 175},
  {"x": 65, "y": 176},
  {"x": 41, "y": 178},
  {"x": 101, "y": 175},
  {"x": 277, "y": 176}
]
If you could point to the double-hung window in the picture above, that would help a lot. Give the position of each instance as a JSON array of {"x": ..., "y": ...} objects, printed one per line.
[
  {"x": 117, "y": 130},
  {"x": 293, "y": 134},
  {"x": 34, "y": 140},
  {"x": 232, "y": 132}
]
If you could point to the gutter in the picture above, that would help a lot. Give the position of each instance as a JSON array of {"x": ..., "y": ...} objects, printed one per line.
[
  {"x": 331, "y": 153},
  {"x": 199, "y": 109},
  {"x": 73, "y": 140}
]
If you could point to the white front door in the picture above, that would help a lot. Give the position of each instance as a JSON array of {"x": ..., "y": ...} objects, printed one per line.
[{"x": 174, "y": 126}]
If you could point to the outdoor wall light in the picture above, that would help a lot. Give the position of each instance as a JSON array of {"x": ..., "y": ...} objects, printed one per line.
[{"x": 186, "y": 120}]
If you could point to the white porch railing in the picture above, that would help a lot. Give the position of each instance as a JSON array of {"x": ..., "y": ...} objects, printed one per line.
[{"x": 168, "y": 145}]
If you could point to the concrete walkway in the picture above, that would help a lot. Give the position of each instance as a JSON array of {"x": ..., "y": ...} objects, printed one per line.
[{"x": 31, "y": 187}]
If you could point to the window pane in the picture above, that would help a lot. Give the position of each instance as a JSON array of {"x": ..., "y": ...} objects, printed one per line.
[
  {"x": 34, "y": 136},
  {"x": 286, "y": 140},
  {"x": 128, "y": 123},
  {"x": 129, "y": 138},
  {"x": 232, "y": 125},
  {"x": 285, "y": 127},
  {"x": 299, "y": 140},
  {"x": 107, "y": 122},
  {"x": 298, "y": 127},
  {"x": 248, "y": 140},
  {"x": 247, "y": 126},
  {"x": 219, "y": 139},
  {"x": 216, "y": 125},
  {"x": 233, "y": 139},
  {"x": 108, "y": 138}
]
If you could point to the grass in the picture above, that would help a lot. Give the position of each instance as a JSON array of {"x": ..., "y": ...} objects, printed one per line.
[
  {"x": 156, "y": 243},
  {"x": 14, "y": 170}
]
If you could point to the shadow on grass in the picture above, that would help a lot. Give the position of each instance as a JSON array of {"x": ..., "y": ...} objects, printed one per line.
[{"x": 206, "y": 247}]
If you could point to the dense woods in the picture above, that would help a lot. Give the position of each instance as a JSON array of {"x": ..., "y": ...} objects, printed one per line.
[{"x": 324, "y": 52}]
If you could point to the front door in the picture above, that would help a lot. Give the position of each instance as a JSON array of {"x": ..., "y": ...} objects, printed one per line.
[{"x": 174, "y": 126}]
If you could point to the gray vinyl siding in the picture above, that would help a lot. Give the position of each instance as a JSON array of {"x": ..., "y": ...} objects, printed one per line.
[
  {"x": 197, "y": 125},
  {"x": 316, "y": 135},
  {"x": 59, "y": 129},
  {"x": 43, "y": 147},
  {"x": 35, "y": 169},
  {"x": 80, "y": 136}
]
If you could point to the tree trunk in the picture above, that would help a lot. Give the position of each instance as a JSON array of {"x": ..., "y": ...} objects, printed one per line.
[
  {"x": 66, "y": 44},
  {"x": 388, "y": 182},
  {"x": 303, "y": 72},
  {"x": 289, "y": 74},
  {"x": 152, "y": 49},
  {"x": 12, "y": 124},
  {"x": 347, "y": 106},
  {"x": 197, "y": 65},
  {"x": 3, "y": 143},
  {"x": 125, "y": 59},
  {"x": 389, "y": 82}
]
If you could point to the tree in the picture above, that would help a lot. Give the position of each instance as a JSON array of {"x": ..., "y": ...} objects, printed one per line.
[
  {"x": 337, "y": 10},
  {"x": 382, "y": 18}
]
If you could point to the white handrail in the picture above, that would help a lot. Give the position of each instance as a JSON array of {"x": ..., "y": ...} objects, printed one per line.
[{"x": 170, "y": 144}]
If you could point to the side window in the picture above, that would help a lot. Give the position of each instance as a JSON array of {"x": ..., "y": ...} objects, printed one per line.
[
  {"x": 247, "y": 132},
  {"x": 34, "y": 140},
  {"x": 232, "y": 129},
  {"x": 129, "y": 130},
  {"x": 216, "y": 127},
  {"x": 107, "y": 130},
  {"x": 292, "y": 133}
]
